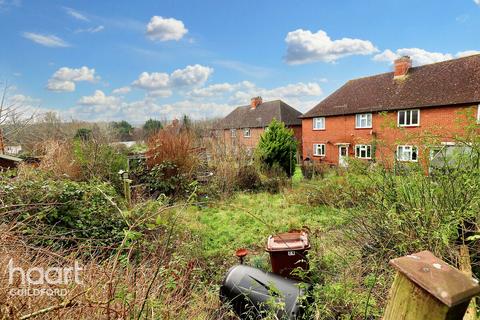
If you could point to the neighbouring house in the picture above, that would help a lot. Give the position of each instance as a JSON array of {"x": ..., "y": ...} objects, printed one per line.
[
  {"x": 244, "y": 125},
  {"x": 410, "y": 114}
]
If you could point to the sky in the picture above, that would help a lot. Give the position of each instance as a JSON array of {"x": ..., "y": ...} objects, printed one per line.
[{"x": 116, "y": 60}]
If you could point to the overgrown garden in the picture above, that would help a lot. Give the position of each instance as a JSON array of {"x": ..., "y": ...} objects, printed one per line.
[{"x": 162, "y": 253}]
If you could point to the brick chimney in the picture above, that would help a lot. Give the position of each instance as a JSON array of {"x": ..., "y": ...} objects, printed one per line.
[
  {"x": 401, "y": 66},
  {"x": 255, "y": 101}
]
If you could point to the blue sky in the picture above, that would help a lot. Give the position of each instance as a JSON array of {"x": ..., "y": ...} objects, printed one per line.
[{"x": 112, "y": 60}]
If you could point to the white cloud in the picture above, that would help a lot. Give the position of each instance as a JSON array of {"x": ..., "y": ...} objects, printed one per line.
[
  {"x": 296, "y": 91},
  {"x": 90, "y": 30},
  {"x": 64, "y": 79},
  {"x": 303, "y": 46},
  {"x": 152, "y": 81},
  {"x": 60, "y": 86},
  {"x": 75, "y": 14},
  {"x": 165, "y": 29},
  {"x": 420, "y": 56},
  {"x": 477, "y": 2},
  {"x": 301, "y": 95},
  {"x": 46, "y": 40},
  {"x": 467, "y": 53},
  {"x": 212, "y": 90},
  {"x": 161, "y": 93},
  {"x": 98, "y": 99},
  {"x": 160, "y": 84},
  {"x": 141, "y": 110},
  {"x": 122, "y": 90},
  {"x": 190, "y": 76}
]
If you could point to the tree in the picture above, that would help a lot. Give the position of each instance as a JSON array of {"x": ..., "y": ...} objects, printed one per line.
[
  {"x": 277, "y": 148},
  {"x": 83, "y": 134},
  {"x": 14, "y": 116},
  {"x": 123, "y": 129},
  {"x": 186, "y": 122},
  {"x": 151, "y": 126}
]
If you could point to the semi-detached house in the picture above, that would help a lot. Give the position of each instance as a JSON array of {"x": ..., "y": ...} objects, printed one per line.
[
  {"x": 245, "y": 124},
  {"x": 405, "y": 115}
]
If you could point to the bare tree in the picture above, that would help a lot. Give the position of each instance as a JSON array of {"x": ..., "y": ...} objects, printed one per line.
[{"x": 14, "y": 116}]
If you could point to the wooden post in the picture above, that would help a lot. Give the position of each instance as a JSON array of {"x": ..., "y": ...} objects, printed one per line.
[
  {"x": 427, "y": 288},
  {"x": 466, "y": 267}
]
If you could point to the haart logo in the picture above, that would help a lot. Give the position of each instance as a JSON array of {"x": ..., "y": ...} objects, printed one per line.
[{"x": 32, "y": 279}]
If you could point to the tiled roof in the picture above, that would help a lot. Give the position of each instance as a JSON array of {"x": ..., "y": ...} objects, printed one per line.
[
  {"x": 450, "y": 82},
  {"x": 261, "y": 116}
]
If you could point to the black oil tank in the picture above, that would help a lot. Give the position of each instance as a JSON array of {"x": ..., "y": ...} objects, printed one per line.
[{"x": 254, "y": 293}]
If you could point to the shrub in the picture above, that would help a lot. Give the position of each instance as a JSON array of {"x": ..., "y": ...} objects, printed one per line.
[
  {"x": 166, "y": 178},
  {"x": 175, "y": 146},
  {"x": 277, "y": 148},
  {"x": 99, "y": 160},
  {"x": 61, "y": 213},
  {"x": 248, "y": 178},
  {"x": 59, "y": 160}
]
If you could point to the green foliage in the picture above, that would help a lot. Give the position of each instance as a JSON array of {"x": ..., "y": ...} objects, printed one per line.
[
  {"x": 62, "y": 213},
  {"x": 100, "y": 161},
  {"x": 83, "y": 134},
  {"x": 167, "y": 179},
  {"x": 152, "y": 126},
  {"x": 123, "y": 130},
  {"x": 277, "y": 149}
]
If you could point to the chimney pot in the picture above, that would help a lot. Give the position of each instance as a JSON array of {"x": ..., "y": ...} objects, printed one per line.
[
  {"x": 401, "y": 66},
  {"x": 255, "y": 101}
]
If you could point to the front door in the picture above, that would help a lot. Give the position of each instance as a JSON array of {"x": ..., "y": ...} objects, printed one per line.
[{"x": 342, "y": 155}]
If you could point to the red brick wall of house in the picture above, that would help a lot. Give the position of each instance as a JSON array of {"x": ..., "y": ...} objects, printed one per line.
[
  {"x": 255, "y": 134},
  {"x": 437, "y": 125}
]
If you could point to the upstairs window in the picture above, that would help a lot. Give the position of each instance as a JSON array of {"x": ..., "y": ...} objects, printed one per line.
[
  {"x": 246, "y": 133},
  {"x": 319, "y": 150},
  {"x": 363, "y": 151},
  {"x": 363, "y": 120},
  {"x": 319, "y": 123},
  {"x": 409, "y": 118},
  {"x": 407, "y": 153},
  {"x": 233, "y": 133}
]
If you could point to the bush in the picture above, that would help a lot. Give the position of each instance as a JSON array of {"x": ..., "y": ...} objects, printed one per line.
[
  {"x": 277, "y": 148},
  {"x": 248, "y": 178},
  {"x": 314, "y": 169},
  {"x": 61, "y": 213},
  {"x": 175, "y": 146},
  {"x": 166, "y": 178}
]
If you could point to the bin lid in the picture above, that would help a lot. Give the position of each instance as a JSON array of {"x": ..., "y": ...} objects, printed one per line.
[{"x": 293, "y": 240}]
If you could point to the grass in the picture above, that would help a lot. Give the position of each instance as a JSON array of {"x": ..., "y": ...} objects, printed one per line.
[{"x": 246, "y": 220}]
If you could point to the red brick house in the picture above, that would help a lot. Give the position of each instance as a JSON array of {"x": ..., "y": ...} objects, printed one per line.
[
  {"x": 407, "y": 115},
  {"x": 244, "y": 125}
]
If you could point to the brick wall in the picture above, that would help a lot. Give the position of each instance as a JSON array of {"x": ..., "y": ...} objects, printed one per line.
[{"x": 436, "y": 125}]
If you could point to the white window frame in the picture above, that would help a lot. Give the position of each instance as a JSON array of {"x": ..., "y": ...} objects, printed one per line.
[
  {"x": 359, "y": 117},
  {"x": 322, "y": 148},
  {"x": 314, "y": 121},
  {"x": 246, "y": 133},
  {"x": 405, "y": 118},
  {"x": 233, "y": 133},
  {"x": 412, "y": 148},
  {"x": 366, "y": 147}
]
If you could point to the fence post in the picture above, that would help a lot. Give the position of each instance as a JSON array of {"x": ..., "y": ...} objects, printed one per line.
[{"x": 428, "y": 288}]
